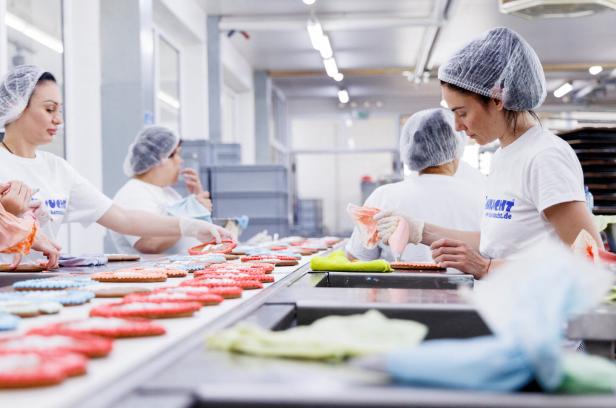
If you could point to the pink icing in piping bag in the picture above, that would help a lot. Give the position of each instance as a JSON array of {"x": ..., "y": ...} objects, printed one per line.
[{"x": 399, "y": 239}]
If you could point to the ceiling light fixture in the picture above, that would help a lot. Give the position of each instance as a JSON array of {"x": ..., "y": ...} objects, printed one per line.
[
  {"x": 34, "y": 33},
  {"x": 343, "y": 95},
  {"x": 309, "y": 2},
  {"x": 168, "y": 99},
  {"x": 595, "y": 69},
  {"x": 330, "y": 67},
  {"x": 563, "y": 90},
  {"x": 338, "y": 77},
  {"x": 315, "y": 32},
  {"x": 325, "y": 48}
]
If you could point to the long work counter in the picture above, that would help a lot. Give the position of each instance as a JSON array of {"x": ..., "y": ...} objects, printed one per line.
[{"x": 178, "y": 370}]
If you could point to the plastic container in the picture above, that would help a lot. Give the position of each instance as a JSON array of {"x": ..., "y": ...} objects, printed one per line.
[
  {"x": 226, "y": 154},
  {"x": 254, "y": 205},
  {"x": 253, "y": 178},
  {"x": 590, "y": 201}
]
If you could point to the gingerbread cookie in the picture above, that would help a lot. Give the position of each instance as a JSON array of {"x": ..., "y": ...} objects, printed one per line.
[
  {"x": 224, "y": 247},
  {"x": 149, "y": 310},
  {"x": 117, "y": 291},
  {"x": 132, "y": 275},
  {"x": 431, "y": 266},
  {"x": 112, "y": 327}
]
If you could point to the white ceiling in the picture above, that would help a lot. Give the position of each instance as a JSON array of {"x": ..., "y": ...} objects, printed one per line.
[{"x": 279, "y": 41}]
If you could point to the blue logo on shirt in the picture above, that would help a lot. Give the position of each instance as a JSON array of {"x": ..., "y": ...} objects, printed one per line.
[
  {"x": 498, "y": 208},
  {"x": 56, "y": 206}
]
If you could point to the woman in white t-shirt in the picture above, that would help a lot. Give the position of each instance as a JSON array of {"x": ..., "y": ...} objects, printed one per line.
[
  {"x": 30, "y": 112},
  {"x": 535, "y": 188},
  {"x": 154, "y": 164},
  {"x": 429, "y": 146}
]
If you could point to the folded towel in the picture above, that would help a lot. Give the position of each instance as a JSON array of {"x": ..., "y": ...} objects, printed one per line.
[
  {"x": 330, "y": 338},
  {"x": 84, "y": 260},
  {"x": 337, "y": 261}
]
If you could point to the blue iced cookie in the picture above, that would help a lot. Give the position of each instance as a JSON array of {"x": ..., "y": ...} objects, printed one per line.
[
  {"x": 8, "y": 322},
  {"x": 53, "y": 283},
  {"x": 64, "y": 297}
]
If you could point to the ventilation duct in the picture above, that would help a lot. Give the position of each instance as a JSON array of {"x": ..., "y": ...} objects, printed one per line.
[{"x": 555, "y": 8}]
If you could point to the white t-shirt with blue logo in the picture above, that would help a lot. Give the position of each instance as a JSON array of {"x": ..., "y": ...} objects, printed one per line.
[
  {"x": 533, "y": 173},
  {"x": 438, "y": 199},
  {"x": 66, "y": 195}
]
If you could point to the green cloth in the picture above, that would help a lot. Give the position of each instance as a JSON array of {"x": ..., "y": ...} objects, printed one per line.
[
  {"x": 331, "y": 338},
  {"x": 610, "y": 297},
  {"x": 585, "y": 374},
  {"x": 337, "y": 261}
]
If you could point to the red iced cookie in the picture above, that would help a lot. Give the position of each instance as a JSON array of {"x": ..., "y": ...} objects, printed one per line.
[
  {"x": 146, "y": 309},
  {"x": 90, "y": 346},
  {"x": 206, "y": 299},
  {"x": 221, "y": 282},
  {"x": 224, "y": 247},
  {"x": 22, "y": 369},
  {"x": 236, "y": 275},
  {"x": 104, "y": 326}
]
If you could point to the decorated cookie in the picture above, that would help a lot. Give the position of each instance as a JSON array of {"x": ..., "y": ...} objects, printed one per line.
[
  {"x": 117, "y": 291},
  {"x": 25, "y": 369},
  {"x": 103, "y": 326},
  {"x": 224, "y": 247},
  {"x": 226, "y": 292},
  {"x": 222, "y": 282},
  {"x": 90, "y": 346},
  {"x": 277, "y": 260},
  {"x": 8, "y": 321},
  {"x": 206, "y": 299},
  {"x": 132, "y": 275},
  {"x": 65, "y": 297},
  {"x": 29, "y": 308},
  {"x": 146, "y": 309},
  {"x": 416, "y": 266},
  {"x": 26, "y": 267},
  {"x": 263, "y": 278},
  {"x": 56, "y": 283},
  {"x": 122, "y": 257}
]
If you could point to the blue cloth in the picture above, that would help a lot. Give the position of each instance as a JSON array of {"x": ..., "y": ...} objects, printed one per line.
[
  {"x": 526, "y": 304},
  {"x": 242, "y": 221},
  {"x": 190, "y": 207},
  {"x": 84, "y": 260}
]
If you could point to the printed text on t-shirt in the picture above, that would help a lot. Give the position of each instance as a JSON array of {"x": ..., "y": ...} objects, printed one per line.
[
  {"x": 498, "y": 208},
  {"x": 56, "y": 206}
]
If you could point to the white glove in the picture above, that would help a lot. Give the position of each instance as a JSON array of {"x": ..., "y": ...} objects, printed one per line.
[
  {"x": 40, "y": 213},
  {"x": 202, "y": 230},
  {"x": 387, "y": 222}
]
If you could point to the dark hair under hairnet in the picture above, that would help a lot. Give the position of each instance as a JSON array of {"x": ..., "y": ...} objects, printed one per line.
[{"x": 151, "y": 146}]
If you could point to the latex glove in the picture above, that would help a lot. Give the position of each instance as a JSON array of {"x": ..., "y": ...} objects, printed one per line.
[
  {"x": 16, "y": 198},
  {"x": 49, "y": 248},
  {"x": 387, "y": 222},
  {"x": 40, "y": 214},
  {"x": 203, "y": 231},
  {"x": 192, "y": 180}
]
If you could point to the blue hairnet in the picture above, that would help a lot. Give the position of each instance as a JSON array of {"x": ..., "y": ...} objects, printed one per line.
[
  {"x": 498, "y": 65},
  {"x": 15, "y": 92},
  {"x": 151, "y": 146},
  {"x": 428, "y": 139}
]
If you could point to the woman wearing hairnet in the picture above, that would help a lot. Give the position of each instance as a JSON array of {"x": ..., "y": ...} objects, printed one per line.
[
  {"x": 153, "y": 163},
  {"x": 430, "y": 146},
  {"x": 30, "y": 112},
  {"x": 535, "y": 189}
]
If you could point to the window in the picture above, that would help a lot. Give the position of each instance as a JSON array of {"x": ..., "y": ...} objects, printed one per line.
[
  {"x": 34, "y": 36},
  {"x": 168, "y": 85}
]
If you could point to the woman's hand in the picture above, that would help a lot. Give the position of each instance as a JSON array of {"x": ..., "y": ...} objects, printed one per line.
[
  {"x": 450, "y": 253},
  {"x": 202, "y": 230},
  {"x": 49, "y": 248},
  {"x": 192, "y": 180},
  {"x": 204, "y": 200},
  {"x": 16, "y": 197},
  {"x": 387, "y": 222}
]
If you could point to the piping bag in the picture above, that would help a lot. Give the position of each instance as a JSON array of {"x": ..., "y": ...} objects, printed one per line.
[{"x": 399, "y": 239}]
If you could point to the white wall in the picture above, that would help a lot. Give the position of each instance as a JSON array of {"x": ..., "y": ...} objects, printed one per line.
[{"x": 335, "y": 178}]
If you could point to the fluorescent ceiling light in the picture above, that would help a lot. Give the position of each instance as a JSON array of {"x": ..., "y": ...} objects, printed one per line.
[
  {"x": 325, "y": 47},
  {"x": 168, "y": 99},
  {"x": 309, "y": 2},
  {"x": 34, "y": 33},
  {"x": 595, "y": 69},
  {"x": 343, "y": 96},
  {"x": 330, "y": 67},
  {"x": 315, "y": 31},
  {"x": 563, "y": 90},
  {"x": 338, "y": 77}
]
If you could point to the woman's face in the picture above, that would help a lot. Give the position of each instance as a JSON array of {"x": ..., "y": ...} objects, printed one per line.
[
  {"x": 172, "y": 166},
  {"x": 482, "y": 122},
  {"x": 39, "y": 122}
]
